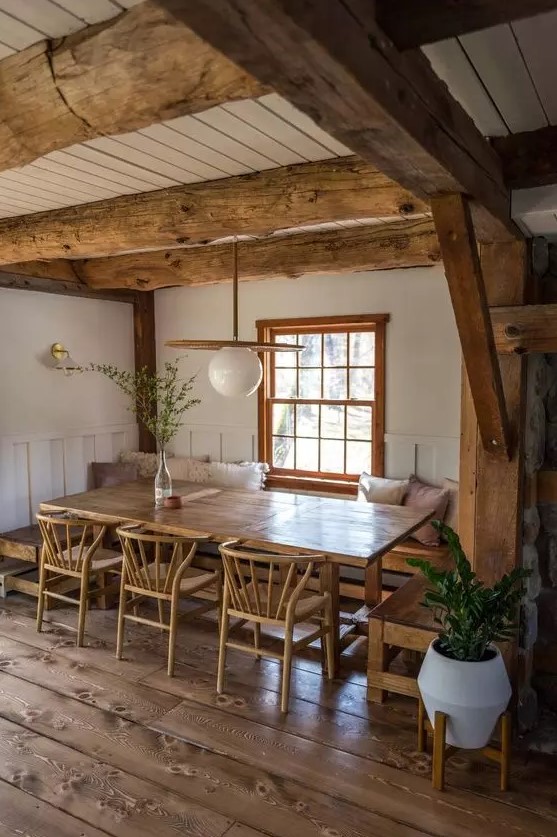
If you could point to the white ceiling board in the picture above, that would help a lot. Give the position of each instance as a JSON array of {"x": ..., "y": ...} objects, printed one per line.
[
  {"x": 16, "y": 34},
  {"x": 290, "y": 114},
  {"x": 537, "y": 38},
  {"x": 194, "y": 128},
  {"x": 451, "y": 63},
  {"x": 45, "y": 17},
  {"x": 260, "y": 117},
  {"x": 173, "y": 139},
  {"x": 175, "y": 163},
  {"x": 80, "y": 157},
  {"x": 5, "y": 51},
  {"x": 63, "y": 187},
  {"x": 498, "y": 61},
  {"x": 243, "y": 132},
  {"x": 539, "y": 199},
  {"x": 26, "y": 192},
  {"x": 92, "y": 11},
  {"x": 84, "y": 176},
  {"x": 124, "y": 159}
]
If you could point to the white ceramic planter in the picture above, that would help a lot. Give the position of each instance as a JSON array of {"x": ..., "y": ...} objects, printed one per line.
[{"x": 472, "y": 695}]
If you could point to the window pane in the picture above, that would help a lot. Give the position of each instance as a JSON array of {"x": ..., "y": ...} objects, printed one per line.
[
  {"x": 283, "y": 419},
  {"x": 358, "y": 423},
  {"x": 362, "y": 348},
  {"x": 283, "y": 452},
  {"x": 335, "y": 349},
  {"x": 311, "y": 356},
  {"x": 334, "y": 383},
  {"x": 332, "y": 421},
  {"x": 307, "y": 420},
  {"x": 285, "y": 383},
  {"x": 285, "y": 358},
  {"x": 358, "y": 457},
  {"x": 310, "y": 383},
  {"x": 332, "y": 456},
  {"x": 362, "y": 384},
  {"x": 307, "y": 454}
]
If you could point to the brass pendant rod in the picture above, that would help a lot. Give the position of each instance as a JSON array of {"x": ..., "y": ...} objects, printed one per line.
[{"x": 235, "y": 289}]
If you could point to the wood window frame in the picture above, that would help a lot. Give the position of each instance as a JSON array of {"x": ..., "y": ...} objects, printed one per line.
[{"x": 266, "y": 330}]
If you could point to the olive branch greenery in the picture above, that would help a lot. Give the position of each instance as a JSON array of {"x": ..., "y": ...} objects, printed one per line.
[
  {"x": 159, "y": 400},
  {"x": 471, "y": 615}
]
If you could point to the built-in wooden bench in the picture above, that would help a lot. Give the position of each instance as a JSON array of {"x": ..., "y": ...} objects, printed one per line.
[
  {"x": 395, "y": 560},
  {"x": 400, "y": 622},
  {"x": 20, "y": 551}
]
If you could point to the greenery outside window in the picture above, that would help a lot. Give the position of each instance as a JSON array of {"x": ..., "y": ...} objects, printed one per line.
[{"x": 322, "y": 411}]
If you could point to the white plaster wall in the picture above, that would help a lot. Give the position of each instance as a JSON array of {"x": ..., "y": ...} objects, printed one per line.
[
  {"x": 422, "y": 358},
  {"x": 35, "y": 398},
  {"x": 52, "y": 426}
]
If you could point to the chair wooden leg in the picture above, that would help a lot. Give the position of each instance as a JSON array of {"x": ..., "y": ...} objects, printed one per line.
[
  {"x": 83, "y": 599},
  {"x": 218, "y": 587},
  {"x": 160, "y": 605},
  {"x": 439, "y": 732},
  {"x": 376, "y": 661},
  {"x": 257, "y": 638},
  {"x": 121, "y": 615},
  {"x": 222, "y": 645},
  {"x": 422, "y": 736},
  {"x": 286, "y": 669},
  {"x": 172, "y": 635},
  {"x": 505, "y": 750},
  {"x": 41, "y": 598},
  {"x": 328, "y": 639}
]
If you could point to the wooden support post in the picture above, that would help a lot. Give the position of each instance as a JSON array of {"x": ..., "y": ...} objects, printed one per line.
[
  {"x": 459, "y": 251},
  {"x": 145, "y": 352}
]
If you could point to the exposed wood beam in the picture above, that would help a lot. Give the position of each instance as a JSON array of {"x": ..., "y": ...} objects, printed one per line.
[
  {"x": 398, "y": 245},
  {"x": 525, "y": 328},
  {"x": 138, "y": 69},
  {"x": 547, "y": 486},
  {"x": 331, "y": 60},
  {"x": 310, "y": 193},
  {"x": 411, "y": 23},
  {"x": 529, "y": 158},
  {"x": 67, "y": 287},
  {"x": 466, "y": 287},
  {"x": 145, "y": 353}
]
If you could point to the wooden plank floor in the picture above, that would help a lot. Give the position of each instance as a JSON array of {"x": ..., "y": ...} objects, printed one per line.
[{"x": 92, "y": 746}]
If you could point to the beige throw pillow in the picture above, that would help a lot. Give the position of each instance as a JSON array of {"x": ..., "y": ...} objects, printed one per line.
[
  {"x": 451, "y": 515},
  {"x": 424, "y": 497},
  {"x": 380, "y": 490}
]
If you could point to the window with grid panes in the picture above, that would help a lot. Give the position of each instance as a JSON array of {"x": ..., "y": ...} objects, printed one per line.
[{"x": 322, "y": 410}]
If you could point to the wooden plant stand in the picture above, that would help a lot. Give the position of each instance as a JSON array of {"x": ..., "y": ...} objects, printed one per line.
[{"x": 441, "y": 750}]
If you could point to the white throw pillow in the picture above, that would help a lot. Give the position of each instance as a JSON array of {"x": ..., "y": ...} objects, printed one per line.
[
  {"x": 380, "y": 490},
  {"x": 248, "y": 475},
  {"x": 191, "y": 470},
  {"x": 146, "y": 463}
]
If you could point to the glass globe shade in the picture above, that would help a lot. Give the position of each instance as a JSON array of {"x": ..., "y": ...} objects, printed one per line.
[{"x": 235, "y": 371}]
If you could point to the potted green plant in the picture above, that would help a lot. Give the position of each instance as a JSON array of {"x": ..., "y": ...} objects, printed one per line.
[
  {"x": 159, "y": 400},
  {"x": 463, "y": 673}
]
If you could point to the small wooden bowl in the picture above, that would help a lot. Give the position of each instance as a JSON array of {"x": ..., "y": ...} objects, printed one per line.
[{"x": 173, "y": 502}]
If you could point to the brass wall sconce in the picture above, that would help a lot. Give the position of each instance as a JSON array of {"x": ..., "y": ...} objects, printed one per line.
[{"x": 64, "y": 362}]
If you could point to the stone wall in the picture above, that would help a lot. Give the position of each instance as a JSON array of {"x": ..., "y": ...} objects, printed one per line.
[{"x": 539, "y": 612}]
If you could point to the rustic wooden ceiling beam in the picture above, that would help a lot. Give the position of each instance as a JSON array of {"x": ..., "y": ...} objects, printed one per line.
[
  {"x": 412, "y": 23},
  {"x": 137, "y": 69},
  {"x": 525, "y": 328},
  {"x": 258, "y": 204},
  {"x": 468, "y": 294},
  {"x": 399, "y": 245},
  {"x": 530, "y": 158},
  {"x": 331, "y": 60},
  {"x": 60, "y": 285}
]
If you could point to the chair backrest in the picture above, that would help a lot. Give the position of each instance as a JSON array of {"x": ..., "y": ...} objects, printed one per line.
[
  {"x": 154, "y": 562},
  {"x": 265, "y": 584},
  {"x": 69, "y": 542}
]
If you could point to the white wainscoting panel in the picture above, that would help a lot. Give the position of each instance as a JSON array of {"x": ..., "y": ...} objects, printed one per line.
[
  {"x": 432, "y": 458},
  {"x": 40, "y": 466}
]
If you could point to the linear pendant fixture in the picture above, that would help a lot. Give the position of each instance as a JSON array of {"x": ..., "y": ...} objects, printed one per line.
[{"x": 235, "y": 369}]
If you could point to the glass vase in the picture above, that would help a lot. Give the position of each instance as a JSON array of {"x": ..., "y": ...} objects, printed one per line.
[{"x": 163, "y": 480}]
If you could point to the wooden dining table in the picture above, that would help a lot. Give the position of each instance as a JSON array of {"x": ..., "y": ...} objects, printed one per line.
[{"x": 348, "y": 533}]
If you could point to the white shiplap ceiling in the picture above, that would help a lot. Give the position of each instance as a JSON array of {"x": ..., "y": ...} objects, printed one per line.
[{"x": 503, "y": 76}]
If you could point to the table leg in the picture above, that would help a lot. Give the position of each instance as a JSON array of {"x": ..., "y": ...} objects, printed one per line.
[
  {"x": 102, "y": 578},
  {"x": 373, "y": 583},
  {"x": 329, "y": 579}
]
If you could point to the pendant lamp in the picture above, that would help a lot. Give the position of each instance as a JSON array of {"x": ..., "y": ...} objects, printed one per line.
[{"x": 235, "y": 369}]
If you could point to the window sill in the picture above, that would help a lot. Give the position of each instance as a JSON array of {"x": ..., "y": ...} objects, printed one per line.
[{"x": 350, "y": 489}]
